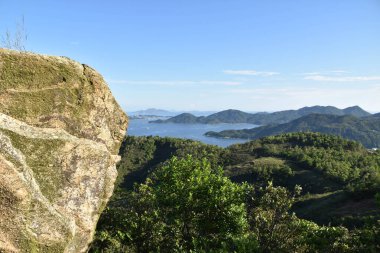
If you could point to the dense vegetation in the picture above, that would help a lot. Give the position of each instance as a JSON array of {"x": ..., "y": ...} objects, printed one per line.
[
  {"x": 183, "y": 201},
  {"x": 365, "y": 130},
  {"x": 236, "y": 116}
]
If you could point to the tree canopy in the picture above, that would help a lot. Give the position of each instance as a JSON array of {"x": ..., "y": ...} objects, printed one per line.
[{"x": 192, "y": 197}]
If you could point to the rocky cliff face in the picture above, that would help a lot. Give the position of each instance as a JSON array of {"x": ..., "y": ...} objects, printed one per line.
[{"x": 60, "y": 131}]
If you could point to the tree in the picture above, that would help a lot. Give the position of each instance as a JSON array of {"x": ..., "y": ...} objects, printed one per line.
[
  {"x": 205, "y": 208},
  {"x": 16, "y": 40},
  {"x": 276, "y": 229}
]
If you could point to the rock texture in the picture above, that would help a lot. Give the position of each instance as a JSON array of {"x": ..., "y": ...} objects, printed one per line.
[{"x": 60, "y": 131}]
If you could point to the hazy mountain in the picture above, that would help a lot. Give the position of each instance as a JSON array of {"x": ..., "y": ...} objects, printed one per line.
[
  {"x": 199, "y": 113},
  {"x": 236, "y": 116},
  {"x": 153, "y": 111},
  {"x": 166, "y": 113},
  {"x": 365, "y": 130},
  {"x": 184, "y": 118},
  {"x": 356, "y": 111}
]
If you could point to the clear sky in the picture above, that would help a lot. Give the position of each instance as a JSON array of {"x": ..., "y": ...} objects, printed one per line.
[{"x": 252, "y": 55}]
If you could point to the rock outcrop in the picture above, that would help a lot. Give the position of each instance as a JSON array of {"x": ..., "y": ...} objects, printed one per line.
[{"x": 60, "y": 131}]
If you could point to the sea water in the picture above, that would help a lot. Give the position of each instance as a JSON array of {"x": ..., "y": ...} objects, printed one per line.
[{"x": 142, "y": 127}]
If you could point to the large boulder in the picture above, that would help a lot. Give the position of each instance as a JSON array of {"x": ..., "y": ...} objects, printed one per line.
[{"x": 60, "y": 132}]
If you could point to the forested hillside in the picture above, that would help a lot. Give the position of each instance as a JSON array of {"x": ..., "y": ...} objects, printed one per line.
[
  {"x": 365, "y": 130},
  {"x": 330, "y": 183}
]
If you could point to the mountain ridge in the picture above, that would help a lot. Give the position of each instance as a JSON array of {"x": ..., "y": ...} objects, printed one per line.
[
  {"x": 365, "y": 129},
  {"x": 237, "y": 116}
]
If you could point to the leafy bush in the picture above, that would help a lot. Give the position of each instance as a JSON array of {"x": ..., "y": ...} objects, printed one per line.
[{"x": 185, "y": 205}]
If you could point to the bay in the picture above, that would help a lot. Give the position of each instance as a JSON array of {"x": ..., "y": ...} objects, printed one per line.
[{"x": 142, "y": 127}]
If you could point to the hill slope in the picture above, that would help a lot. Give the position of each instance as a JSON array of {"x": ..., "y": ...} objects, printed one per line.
[
  {"x": 337, "y": 176},
  {"x": 365, "y": 130},
  {"x": 236, "y": 116}
]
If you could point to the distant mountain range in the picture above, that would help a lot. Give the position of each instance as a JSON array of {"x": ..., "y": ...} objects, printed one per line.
[
  {"x": 362, "y": 129},
  {"x": 236, "y": 116},
  {"x": 153, "y": 111}
]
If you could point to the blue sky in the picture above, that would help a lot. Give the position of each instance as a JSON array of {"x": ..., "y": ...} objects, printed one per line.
[{"x": 251, "y": 55}]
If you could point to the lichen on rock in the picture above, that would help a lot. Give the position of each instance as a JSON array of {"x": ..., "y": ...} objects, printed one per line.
[{"x": 60, "y": 131}]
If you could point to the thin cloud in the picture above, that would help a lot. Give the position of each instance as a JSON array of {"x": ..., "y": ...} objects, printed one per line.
[
  {"x": 326, "y": 78},
  {"x": 330, "y": 72},
  {"x": 250, "y": 73},
  {"x": 175, "y": 82},
  {"x": 274, "y": 98},
  {"x": 310, "y": 73},
  {"x": 305, "y": 91},
  {"x": 339, "y": 72}
]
